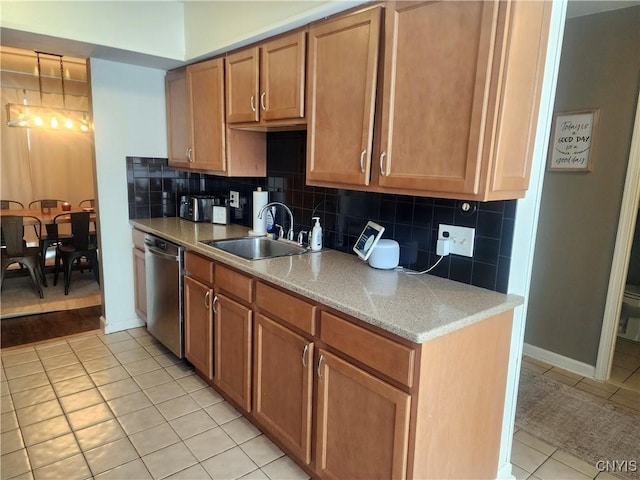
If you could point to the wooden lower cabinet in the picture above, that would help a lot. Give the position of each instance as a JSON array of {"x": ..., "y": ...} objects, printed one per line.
[
  {"x": 283, "y": 382},
  {"x": 362, "y": 423},
  {"x": 232, "y": 349},
  {"x": 198, "y": 325}
]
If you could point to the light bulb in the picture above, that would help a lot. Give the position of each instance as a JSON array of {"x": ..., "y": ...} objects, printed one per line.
[
  {"x": 54, "y": 122},
  {"x": 68, "y": 123},
  {"x": 84, "y": 127},
  {"x": 38, "y": 121}
]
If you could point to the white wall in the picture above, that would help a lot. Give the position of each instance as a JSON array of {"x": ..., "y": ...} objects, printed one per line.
[
  {"x": 152, "y": 28},
  {"x": 526, "y": 225},
  {"x": 218, "y": 26},
  {"x": 129, "y": 120}
]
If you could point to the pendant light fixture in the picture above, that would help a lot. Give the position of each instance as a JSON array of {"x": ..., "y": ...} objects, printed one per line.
[{"x": 40, "y": 116}]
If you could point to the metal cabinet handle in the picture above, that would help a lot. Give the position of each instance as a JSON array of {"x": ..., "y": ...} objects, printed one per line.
[
  {"x": 253, "y": 105},
  {"x": 304, "y": 355},
  {"x": 262, "y": 100},
  {"x": 320, "y": 360},
  {"x": 382, "y": 155},
  {"x": 207, "y": 300},
  {"x": 364, "y": 151},
  {"x": 215, "y": 300},
  {"x": 189, "y": 151}
]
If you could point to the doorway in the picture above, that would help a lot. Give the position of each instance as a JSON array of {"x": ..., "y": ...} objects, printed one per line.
[
  {"x": 46, "y": 163},
  {"x": 621, "y": 256}
]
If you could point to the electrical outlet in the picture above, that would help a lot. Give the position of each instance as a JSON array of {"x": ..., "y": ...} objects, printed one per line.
[
  {"x": 461, "y": 239},
  {"x": 234, "y": 199}
]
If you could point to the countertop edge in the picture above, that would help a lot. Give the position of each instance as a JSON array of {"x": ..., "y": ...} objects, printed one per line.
[{"x": 509, "y": 302}]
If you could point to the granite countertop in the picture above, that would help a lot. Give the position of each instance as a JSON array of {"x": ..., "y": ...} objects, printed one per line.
[{"x": 418, "y": 308}]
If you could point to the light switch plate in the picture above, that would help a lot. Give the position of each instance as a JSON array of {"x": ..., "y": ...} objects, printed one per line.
[{"x": 461, "y": 239}]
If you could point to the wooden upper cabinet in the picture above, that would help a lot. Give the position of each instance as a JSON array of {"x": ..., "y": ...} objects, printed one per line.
[
  {"x": 266, "y": 83},
  {"x": 342, "y": 73},
  {"x": 282, "y": 73},
  {"x": 459, "y": 114},
  {"x": 457, "y": 108},
  {"x": 178, "y": 117},
  {"x": 206, "y": 100},
  {"x": 435, "y": 80},
  {"x": 242, "y": 86},
  {"x": 199, "y": 137}
]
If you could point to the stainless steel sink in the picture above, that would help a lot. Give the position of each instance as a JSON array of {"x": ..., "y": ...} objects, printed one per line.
[{"x": 256, "y": 248}]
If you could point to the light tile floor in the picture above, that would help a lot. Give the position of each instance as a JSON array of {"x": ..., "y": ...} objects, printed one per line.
[
  {"x": 534, "y": 459},
  {"x": 121, "y": 406}
]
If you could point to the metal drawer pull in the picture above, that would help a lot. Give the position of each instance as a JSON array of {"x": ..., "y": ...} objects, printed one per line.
[
  {"x": 207, "y": 299},
  {"x": 262, "y": 101},
  {"x": 253, "y": 105},
  {"x": 382, "y": 155},
  {"x": 362, "y": 160},
  {"x": 215, "y": 300},
  {"x": 320, "y": 366},
  {"x": 304, "y": 355}
]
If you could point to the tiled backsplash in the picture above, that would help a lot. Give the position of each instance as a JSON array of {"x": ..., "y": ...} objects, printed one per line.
[{"x": 155, "y": 189}]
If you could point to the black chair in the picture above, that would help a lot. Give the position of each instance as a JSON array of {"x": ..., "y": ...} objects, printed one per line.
[
  {"x": 10, "y": 205},
  {"x": 52, "y": 238},
  {"x": 16, "y": 250},
  {"x": 47, "y": 204},
  {"x": 89, "y": 203},
  {"x": 78, "y": 248}
]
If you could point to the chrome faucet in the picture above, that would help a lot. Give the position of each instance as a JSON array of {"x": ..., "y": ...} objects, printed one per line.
[{"x": 270, "y": 204}]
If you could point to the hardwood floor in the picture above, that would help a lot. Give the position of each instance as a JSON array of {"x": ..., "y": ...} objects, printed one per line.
[{"x": 35, "y": 328}]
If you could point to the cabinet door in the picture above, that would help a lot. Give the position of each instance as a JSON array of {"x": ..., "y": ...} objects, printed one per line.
[
  {"x": 206, "y": 98},
  {"x": 342, "y": 72},
  {"x": 437, "y": 68},
  {"x": 140, "y": 283},
  {"x": 362, "y": 423},
  {"x": 198, "y": 325},
  {"x": 178, "y": 118},
  {"x": 233, "y": 350},
  {"x": 283, "y": 374},
  {"x": 242, "y": 86},
  {"x": 282, "y": 77}
]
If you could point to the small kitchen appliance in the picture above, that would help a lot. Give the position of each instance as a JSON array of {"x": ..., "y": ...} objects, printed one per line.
[
  {"x": 198, "y": 208},
  {"x": 385, "y": 255}
]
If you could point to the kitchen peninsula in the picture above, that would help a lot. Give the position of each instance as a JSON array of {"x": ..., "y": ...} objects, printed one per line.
[{"x": 384, "y": 374}]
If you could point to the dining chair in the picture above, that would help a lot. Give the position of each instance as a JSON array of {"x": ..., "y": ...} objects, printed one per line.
[
  {"x": 79, "y": 247},
  {"x": 52, "y": 238},
  {"x": 16, "y": 250},
  {"x": 10, "y": 205},
  {"x": 88, "y": 203},
  {"x": 46, "y": 204}
]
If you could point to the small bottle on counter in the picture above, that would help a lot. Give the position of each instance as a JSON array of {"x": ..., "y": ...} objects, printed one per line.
[{"x": 316, "y": 235}]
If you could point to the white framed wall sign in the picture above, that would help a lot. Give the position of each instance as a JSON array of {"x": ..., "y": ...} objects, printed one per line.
[{"x": 572, "y": 140}]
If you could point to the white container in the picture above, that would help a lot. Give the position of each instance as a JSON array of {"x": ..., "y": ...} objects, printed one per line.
[
  {"x": 316, "y": 235},
  {"x": 260, "y": 199},
  {"x": 385, "y": 255}
]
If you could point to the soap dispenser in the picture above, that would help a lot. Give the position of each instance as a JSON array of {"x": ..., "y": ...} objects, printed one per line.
[{"x": 316, "y": 235}]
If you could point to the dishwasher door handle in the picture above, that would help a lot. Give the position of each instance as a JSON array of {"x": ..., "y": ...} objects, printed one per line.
[{"x": 160, "y": 253}]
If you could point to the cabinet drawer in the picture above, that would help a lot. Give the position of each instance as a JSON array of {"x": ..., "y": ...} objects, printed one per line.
[
  {"x": 286, "y": 307},
  {"x": 138, "y": 238},
  {"x": 386, "y": 356},
  {"x": 235, "y": 283},
  {"x": 199, "y": 267}
]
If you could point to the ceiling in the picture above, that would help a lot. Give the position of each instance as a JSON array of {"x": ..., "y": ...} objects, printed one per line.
[{"x": 33, "y": 41}]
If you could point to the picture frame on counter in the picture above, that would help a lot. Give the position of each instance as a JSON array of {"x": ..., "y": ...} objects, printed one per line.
[{"x": 572, "y": 140}]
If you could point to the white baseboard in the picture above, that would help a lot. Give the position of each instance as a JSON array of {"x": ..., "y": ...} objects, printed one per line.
[
  {"x": 559, "y": 361},
  {"x": 504, "y": 472},
  {"x": 112, "y": 327}
]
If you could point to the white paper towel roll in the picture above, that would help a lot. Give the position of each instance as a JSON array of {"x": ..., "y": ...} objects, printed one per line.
[{"x": 260, "y": 199}]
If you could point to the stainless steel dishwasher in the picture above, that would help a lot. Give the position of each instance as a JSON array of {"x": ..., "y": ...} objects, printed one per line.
[{"x": 164, "y": 271}]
